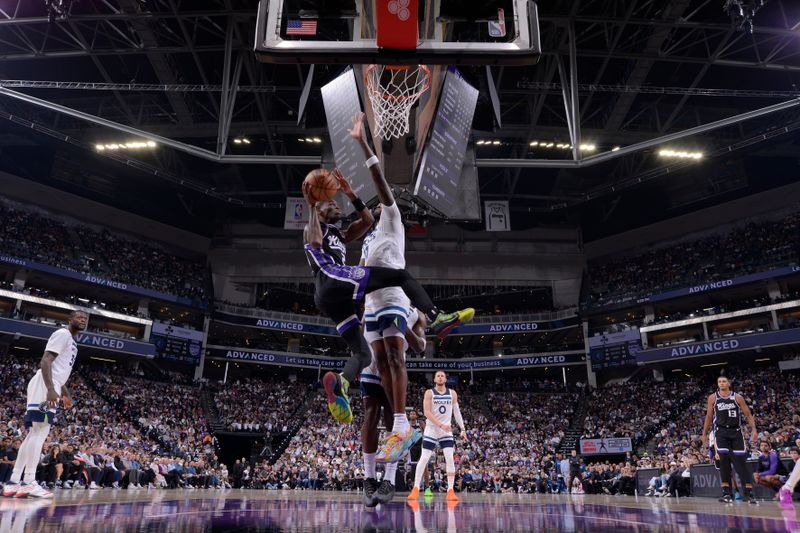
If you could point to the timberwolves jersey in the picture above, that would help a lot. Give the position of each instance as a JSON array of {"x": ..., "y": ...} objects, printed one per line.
[
  {"x": 726, "y": 412},
  {"x": 442, "y": 406},
  {"x": 332, "y": 251}
]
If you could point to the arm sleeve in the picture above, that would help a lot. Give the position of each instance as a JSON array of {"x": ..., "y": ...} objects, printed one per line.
[
  {"x": 457, "y": 416},
  {"x": 57, "y": 343}
]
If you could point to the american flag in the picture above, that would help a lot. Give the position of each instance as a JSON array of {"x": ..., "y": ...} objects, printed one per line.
[{"x": 301, "y": 27}]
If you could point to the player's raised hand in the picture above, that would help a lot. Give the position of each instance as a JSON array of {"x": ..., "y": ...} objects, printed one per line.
[
  {"x": 357, "y": 131},
  {"x": 344, "y": 185},
  {"x": 307, "y": 194}
]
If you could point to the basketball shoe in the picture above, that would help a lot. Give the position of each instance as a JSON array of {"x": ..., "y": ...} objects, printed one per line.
[
  {"x": 32, "y": 490},
  {"x": 444, "y": 323},
  {"x": 414, "y": 494},
  {"x": 336, "y": 387},
  {"x": 451, "y": 495},
  {"x": 396, "y": 444},
  {"x": 784, "y": 493}
]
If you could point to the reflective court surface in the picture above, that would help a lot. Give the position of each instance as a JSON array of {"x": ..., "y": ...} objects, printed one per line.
[{"x": 236, "y": 510}]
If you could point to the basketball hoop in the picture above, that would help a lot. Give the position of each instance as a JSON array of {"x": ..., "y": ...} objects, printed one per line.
[{"x": 393, "y": 90}]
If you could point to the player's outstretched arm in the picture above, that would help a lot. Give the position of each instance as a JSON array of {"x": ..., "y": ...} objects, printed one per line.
[
  {"x": 360, "y": 227},
  {"x": 707, "y": 422},
  {"x": 381, "y": 185},
  {"x": 312, "y": 233}
]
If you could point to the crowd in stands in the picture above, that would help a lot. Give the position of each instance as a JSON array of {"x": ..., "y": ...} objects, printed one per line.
[
  {"x": 80, "y": 248},
  {"x": 753, "y": 246},
  {"x": 635, "y": 409},
  {"x": 261, "y": 405},
  {"x": 170, "y": 412},
  {"x": 94, "y": 445},
  {"x": 130, "y": 430}
]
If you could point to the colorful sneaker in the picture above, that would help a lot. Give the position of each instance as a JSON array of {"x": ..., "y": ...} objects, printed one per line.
[
  {"x": 10, "y": 489},
  {"x": 444, "y": 323},
  {"x": 414, "y": 504},
  {"x": 428, "y": 493},
  {"x": 336, "y": 387},
  {"x": 726, "y": 498},
  {"x": 451, "y": 495},
  {"x": 396, "y": 444},
  {"x": 414, "y": 494},
  {"x": 784, "y": 493}
]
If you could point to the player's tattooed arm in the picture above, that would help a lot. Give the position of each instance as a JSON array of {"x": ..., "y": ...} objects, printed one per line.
[
  {"x": 47, "y": 375},
  {"x": 381, "y": 185},
  {"x": 312, "y": 233}
]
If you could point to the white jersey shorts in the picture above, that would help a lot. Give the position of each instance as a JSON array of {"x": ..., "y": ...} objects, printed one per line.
[
  {"x": 433, "y": 436},
  {"x": 37, "y": 395}
]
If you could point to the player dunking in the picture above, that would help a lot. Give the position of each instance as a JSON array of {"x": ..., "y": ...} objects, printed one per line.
[
  {"x": 45, "y": 389},
  {"x": 440, "y": 406},
  {"x": 375, "y": 396},
  {"x": 338, "y": 287},
  {"x": 725, "y": 409}
]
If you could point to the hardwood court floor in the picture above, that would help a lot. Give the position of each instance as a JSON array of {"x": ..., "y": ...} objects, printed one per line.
[{"x": 181, "y": 511}]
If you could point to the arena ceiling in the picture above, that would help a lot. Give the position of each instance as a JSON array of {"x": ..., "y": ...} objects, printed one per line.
[{"x": 645, "y": 69}]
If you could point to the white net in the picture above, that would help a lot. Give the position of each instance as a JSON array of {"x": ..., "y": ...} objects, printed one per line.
[{"x": 392, "y": 91}]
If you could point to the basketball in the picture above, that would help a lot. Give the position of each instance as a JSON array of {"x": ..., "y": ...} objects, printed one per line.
[{"x": 322, "y": 185}]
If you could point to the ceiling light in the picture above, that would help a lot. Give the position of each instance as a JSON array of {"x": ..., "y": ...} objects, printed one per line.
[
  {"x": 479, "y": 143},
  {"x": 495, "y": 143},
  {"x": 317, "y": 140},
  {"x": 680, "y": 154},
  {"x": 151, "y": 144},
  {"x": 534, "y": 143},
  {"x": 588, "y": 147},
  {"x": 246, "y": 140},
  {"x": 309, "y": 140},
  {"x": 615, "y": 149},
  {"x": 99, "y": 147},
  {"x": 300, "y": 139},
  {"x": 237, "y": 141},
  {"x": 549, "y": 145}
]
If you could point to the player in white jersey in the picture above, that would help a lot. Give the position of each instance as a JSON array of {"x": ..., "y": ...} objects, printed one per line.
[
  {"x": 440, "y": 406},
  {"x": 45, "y": 389},
  {"x": 386, "y": 313},
  {"x": 375, "y": 397}
]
